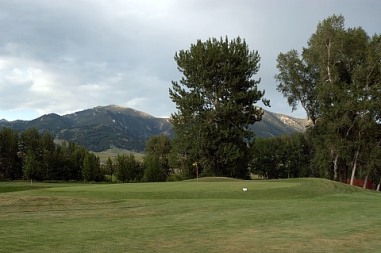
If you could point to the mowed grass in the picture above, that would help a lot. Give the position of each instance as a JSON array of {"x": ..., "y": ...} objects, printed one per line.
[{"x": 299, "y": 215}]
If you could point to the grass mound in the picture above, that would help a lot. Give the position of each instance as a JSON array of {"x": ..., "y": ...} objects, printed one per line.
[
  {"x": 213, "y": 179},
  {"x": 114, "y": 152}
]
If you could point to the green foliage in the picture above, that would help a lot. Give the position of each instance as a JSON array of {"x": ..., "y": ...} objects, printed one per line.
[
  {"x": 34, "y": 155},
  {"x": 76, "y": 158},
  {"x": 48, "y": 154},
  {"x": 31, "y": 167},
  {"x": 158, "y": 147},
  {"x": 110, "y": 168},
  {"x": 183, "y": 166},
  {"x": 153, "y": 170},
  {"x": 31, "y": 151},
  {"x": 297, "y": 82},
  {"x": 10, "y": 161},
  {"x": 337, "y": 80},
  {"x": 281, "y": 157},
  {"x": 215, "y": 100},
  {"x": 128, "y": 169},
  {"x": 91, "y": 168}
]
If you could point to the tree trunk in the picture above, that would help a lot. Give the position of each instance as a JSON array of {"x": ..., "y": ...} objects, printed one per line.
[
  {"x": 354, "y": 166},
  {"x": 328, "y": 47},
  {"x": 378, "y": 185},
  {"x": 335, "y": 167}
]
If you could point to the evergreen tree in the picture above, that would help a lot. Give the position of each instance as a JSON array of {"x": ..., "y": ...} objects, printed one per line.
[
  {"x": 48, "y": 155},
  {"x": 215, "y": 100},
  {"x": 91, "y": 168},
  {"x": 122, "y": 172},
  {"x": 10, "y": 162},
  {"x": 30, "y": 149},
  {"x": 153, "y": 171},
  {"x": 34, "y": 155},
  {"x": 128, "y": 169},
  {"x": 110, "y": 168},
  {"x": 31, "y": 167},
  {"x": 76, "y": 155},
  {"x": 159, "y": 146}
]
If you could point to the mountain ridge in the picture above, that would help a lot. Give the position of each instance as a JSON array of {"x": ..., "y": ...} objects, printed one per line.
[{"x": 103, "y": 127}]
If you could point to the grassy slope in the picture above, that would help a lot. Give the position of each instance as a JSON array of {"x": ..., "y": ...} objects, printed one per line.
[
  {"x": 301, "y": 215},
  {"x": 114, "y": 152}
]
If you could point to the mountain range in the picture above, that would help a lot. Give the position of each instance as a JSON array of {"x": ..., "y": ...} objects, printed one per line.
[{"x": 104, "y": 127}]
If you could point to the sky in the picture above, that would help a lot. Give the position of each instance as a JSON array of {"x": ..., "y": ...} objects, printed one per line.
[{"x": 63, "y": 56}]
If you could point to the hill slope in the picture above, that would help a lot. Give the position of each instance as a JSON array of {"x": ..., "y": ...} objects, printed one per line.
[
  {"x": 275, "y": 124},
  {"x": 103, "y": 127}
]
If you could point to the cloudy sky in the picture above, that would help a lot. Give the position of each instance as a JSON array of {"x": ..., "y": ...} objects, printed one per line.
[{"x": 64, "y": 56}]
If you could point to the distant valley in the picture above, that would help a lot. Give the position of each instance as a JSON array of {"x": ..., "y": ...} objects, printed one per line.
[{"x": 104, "y": 127}]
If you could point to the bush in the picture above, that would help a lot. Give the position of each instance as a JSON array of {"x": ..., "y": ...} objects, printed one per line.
[{"x": 153, "y": 171}]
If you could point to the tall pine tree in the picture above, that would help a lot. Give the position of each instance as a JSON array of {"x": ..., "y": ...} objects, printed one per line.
[{"x": 216, "y": 102}]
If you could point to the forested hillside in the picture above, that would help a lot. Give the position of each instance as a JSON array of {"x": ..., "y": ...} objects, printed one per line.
[
  {"x": 103, "y": 127},
  {"x": 100, "y": 128}
]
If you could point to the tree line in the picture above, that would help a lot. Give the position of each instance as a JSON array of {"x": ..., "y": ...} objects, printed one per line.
[
  {"x": 336, "y": 79},
  {"x": 33, "y": 155}
]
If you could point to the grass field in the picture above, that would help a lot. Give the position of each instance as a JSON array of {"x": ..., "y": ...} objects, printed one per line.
[
  {"x": 300, "y": 215},
  {"x": 114, "y": 152}
]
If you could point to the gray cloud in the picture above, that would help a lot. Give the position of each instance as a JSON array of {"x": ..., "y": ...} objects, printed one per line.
[{"x": 62, "y": 56}]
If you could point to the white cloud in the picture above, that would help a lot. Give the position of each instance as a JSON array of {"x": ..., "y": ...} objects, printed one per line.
[
  {"x": 64, "y": 56},
  {"x": 135, "y": 103}
]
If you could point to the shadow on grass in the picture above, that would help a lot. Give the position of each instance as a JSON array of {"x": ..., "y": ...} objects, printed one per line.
[{"x": 16, "y": 187}]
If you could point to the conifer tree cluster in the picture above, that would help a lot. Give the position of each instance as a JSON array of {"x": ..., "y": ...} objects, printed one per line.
[{"x": 35, "y": 156}]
